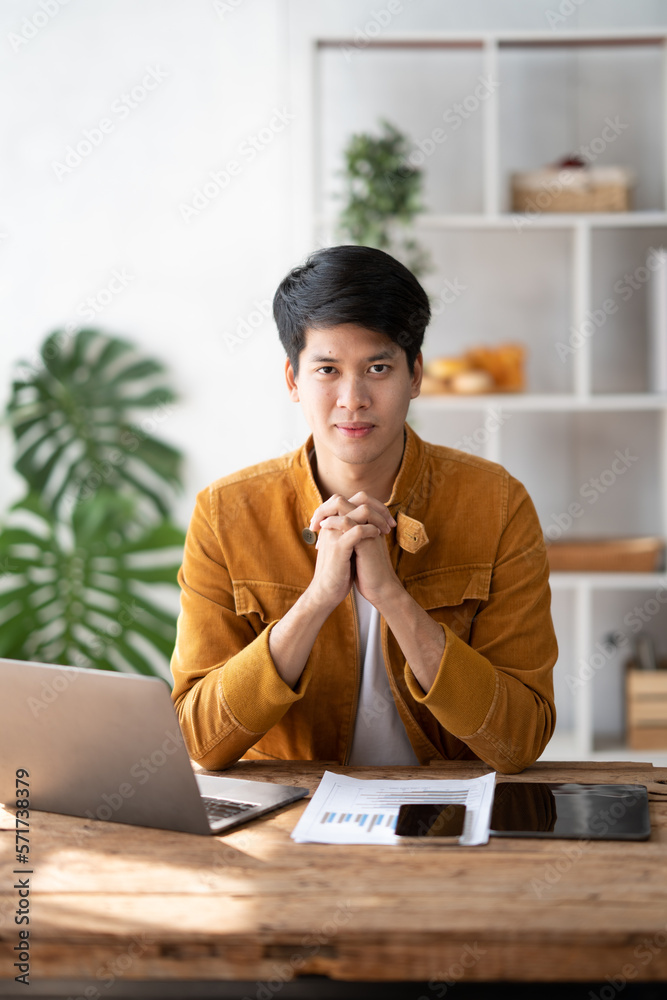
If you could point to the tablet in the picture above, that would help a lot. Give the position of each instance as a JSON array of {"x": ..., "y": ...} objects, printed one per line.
[{"x": 570, "y": 811}]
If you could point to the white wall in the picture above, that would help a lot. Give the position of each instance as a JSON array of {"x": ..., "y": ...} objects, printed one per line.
[
  {"x": 192, "y": 283},
  {"x": 226, "y": 68}
]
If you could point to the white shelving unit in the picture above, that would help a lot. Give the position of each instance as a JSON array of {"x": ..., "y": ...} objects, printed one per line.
[{"x": 534, "y": 279}]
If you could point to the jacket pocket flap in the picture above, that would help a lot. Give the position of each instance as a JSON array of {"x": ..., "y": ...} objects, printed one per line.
[
  {"x": 443, "y": 588},
  {"x": 269, "y": 600}
]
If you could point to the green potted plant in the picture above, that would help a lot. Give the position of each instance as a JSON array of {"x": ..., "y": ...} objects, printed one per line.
[{"x": 382, "y": 194}]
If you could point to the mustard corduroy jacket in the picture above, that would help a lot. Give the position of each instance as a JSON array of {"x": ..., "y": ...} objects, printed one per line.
[{"x": 467, "y": 546}]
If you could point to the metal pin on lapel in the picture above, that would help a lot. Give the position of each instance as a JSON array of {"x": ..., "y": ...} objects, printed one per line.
[{"x": 309, "y": 536}]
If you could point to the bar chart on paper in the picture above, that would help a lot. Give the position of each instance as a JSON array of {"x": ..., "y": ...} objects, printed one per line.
[
  {"x": 347, "y": 810},
  {"x": 364, "y": 821}
]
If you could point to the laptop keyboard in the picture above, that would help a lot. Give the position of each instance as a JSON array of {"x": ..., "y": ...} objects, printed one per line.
[{"x": 220, "y": 808}]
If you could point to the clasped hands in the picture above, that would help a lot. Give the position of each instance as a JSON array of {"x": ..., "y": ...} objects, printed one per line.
[{"x": 352, "y": 549}]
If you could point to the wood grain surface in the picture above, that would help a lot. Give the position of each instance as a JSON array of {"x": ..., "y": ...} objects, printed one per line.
[{"x": 109, "y": 900}]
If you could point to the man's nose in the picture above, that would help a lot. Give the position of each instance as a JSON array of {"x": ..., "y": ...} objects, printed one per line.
[{"x": 353, "y": 395}]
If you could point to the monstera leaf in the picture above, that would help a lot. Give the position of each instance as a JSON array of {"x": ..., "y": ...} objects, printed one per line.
[
  {"x": 75, "y": 417},
  {"x": 91, "y": 592}
]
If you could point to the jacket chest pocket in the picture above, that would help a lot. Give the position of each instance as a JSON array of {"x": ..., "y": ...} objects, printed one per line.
[
  {"x": 452, "y": 595},
  {"x": 262, "y": 602}
]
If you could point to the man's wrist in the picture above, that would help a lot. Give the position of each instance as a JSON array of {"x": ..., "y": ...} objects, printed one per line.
[
  {"x": 421, "y": 639},
  {"x": 317, "y": 603},
  {"x": 392, "y": 601},
  {"x": 293, "y": 637}
]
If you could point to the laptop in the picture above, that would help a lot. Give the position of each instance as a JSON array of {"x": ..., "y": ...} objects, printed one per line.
[{"x": 108, "y": 746}]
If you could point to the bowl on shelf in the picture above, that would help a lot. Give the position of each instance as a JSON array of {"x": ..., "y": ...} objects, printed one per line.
[{"x": 479, "y": 370}]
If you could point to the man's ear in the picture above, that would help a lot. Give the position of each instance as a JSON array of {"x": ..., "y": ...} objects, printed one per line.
[
  {"x": 290, "y": 378},
  {"x": 416, "y": 378}
]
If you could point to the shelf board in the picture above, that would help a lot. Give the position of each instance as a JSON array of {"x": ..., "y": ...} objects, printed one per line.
[
  {"x": 563, "y": 746},
  {"x": 504, "y": 39},
  {"x": 543, "y": 402},
  {"x": 613, "y": 748},
  {"x": 519, "y": 221},
  {"x": 608, "y": 581}
]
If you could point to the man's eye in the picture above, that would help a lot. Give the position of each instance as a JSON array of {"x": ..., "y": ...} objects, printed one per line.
[
  {"x": 383, "y": 367},
  {"x": 326, "y": 370}
]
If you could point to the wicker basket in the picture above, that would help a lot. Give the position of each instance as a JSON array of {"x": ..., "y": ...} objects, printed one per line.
[
  {"x": 572, "y": 189},
  {"x": 607, "y": 555}
]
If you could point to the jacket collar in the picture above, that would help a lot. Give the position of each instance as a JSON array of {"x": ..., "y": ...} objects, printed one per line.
[
  {"x": 411, "y": 534},
  {"x": 409, "y": 473}
]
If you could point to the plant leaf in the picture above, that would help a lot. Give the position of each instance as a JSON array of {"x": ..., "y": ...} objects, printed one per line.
[
  {"x": 83, "y": 600},
  {"x": 74, "y": 422},
  {"x": 382, "y": 194}
]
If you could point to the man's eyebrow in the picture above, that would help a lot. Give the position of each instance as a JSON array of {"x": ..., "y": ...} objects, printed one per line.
[{"x": 380, "y": 356}]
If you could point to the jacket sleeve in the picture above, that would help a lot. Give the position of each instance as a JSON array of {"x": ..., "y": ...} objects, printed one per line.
[
  {"x": 227, "y": 691},
  {"x": 495, "y": 692}
]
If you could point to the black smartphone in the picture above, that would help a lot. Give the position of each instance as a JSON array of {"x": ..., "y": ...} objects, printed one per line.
[{"x": 430, "y": 819}]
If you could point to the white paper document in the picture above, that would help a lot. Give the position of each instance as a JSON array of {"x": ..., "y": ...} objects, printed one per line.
[{"x": 347, "y": 810}]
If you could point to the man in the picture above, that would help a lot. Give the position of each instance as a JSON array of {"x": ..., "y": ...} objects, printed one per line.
[{"x": 369, "y": 598}]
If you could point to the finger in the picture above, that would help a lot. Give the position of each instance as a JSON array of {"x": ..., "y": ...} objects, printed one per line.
[
  {"x": 348, "y": 538},
  {"x": 356, "y": 516},
  {"x": 357, "y": 534},
  {"x": 370, "y": 514},
  {"x": 366, "y": 499},
  {"x": 336, "y": 504}
]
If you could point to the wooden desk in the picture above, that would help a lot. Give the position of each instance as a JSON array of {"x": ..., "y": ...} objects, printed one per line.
[{"x": 110, "y": 901}]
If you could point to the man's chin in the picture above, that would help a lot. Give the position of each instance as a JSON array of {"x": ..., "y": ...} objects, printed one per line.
[{"x": 359, "y": 452}]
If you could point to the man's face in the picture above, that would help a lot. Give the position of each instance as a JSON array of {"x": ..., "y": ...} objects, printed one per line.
[{"x": 355, "y": 388}]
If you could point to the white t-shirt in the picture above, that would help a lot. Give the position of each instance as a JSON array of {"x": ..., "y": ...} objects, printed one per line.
[{"x": 379, "y": 734}]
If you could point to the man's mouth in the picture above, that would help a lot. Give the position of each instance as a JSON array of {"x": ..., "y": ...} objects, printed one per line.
[{"x": 356, "y": 430}]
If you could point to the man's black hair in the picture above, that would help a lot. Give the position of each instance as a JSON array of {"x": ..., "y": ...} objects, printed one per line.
[{"x": 351, "y": 284}]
